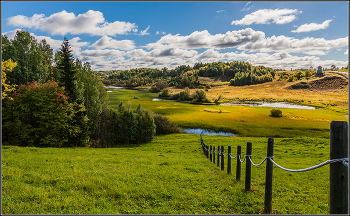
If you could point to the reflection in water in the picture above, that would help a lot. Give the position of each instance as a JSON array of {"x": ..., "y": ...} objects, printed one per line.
[
  {"x": 116, "y": 87},
  {"x": 206, "y": 132},
  {"x": 268, "y": 104}
]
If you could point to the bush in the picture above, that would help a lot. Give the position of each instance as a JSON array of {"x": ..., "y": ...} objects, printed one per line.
[
  {"x": 276, "y": 113},
  {"x": 164, "y": 93},
  {"x": 200, "y": 96},
  {"x": 185, "y": 95},
  {"x": 39, "y": 115},
  {"x": 164, "y": 126}
]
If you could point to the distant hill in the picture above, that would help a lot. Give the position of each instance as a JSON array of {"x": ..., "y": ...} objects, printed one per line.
[{"x": 327, "y": 83}]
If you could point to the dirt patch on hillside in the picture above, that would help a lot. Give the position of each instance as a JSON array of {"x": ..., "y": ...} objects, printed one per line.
[{"x": 328, "y": 83}]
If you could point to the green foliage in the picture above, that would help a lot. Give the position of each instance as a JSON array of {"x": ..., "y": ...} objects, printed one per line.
[
  {"x": 185, "y": 95},
  {"x": 126, "y": 126},
  {"x": 159, "y": 86},
  {"x": 39, "y": 115},
  {"x": 94, "y": 94},
  {"x": 34, "y": 59},
  {"x": 165, "y": 93},
  {"x": 164, "y": 125},
  {"x": 200, "y": 96},
  {"x": 249, "y": 78},
  {"x": 276, "y": 113}
]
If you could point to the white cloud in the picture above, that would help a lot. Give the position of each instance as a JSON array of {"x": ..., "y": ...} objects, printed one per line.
[
  {"x": 62, "y": 23},
  {"x": 263, "y": 16},
  {"x": 314, "y": 46},
  {"x": 162, "y": 32},
  {"x": 346, "y": 52},
  {"x": 144, "y": 32},
  {"x": 245, "y": 7},
  {"x": 220, "y": 11},
  {"x": 11, "y": 34},
  {"x": 312, "y": 27},
  {"x": 108, "y": 42},
  {"x": 203, "y": 39},
  {"x": 99, "y": 53}
]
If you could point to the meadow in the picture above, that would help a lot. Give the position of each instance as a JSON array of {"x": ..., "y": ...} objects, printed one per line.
[
  {"x": 243, "y": 121},
  {"x": 169, "y": 175}
]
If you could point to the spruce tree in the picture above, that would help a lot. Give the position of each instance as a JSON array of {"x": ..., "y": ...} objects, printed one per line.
[{"x": 73, "y": 87}]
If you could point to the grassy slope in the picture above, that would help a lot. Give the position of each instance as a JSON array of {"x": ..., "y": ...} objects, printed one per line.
[
  {"x": 170, "y": 175},
  {"x": 245, "y": 121}
]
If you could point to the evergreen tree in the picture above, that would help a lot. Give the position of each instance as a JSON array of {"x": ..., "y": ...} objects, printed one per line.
[{"x": 67, "y": 69}]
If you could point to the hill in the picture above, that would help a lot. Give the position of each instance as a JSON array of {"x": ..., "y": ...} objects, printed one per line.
[{"x": 327, "y": 83}]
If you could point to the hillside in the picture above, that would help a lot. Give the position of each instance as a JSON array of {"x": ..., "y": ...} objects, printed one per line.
[{"x": 327, "y": 83}]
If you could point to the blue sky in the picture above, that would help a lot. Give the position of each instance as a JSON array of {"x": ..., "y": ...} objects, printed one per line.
[{"x": 125, "y": 35}]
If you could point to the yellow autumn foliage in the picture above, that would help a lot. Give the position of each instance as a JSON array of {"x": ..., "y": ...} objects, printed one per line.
[{"x": 7, "y": 66}]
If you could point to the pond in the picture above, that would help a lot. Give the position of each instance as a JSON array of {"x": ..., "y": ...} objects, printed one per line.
[
  {"x": 267, "y": 104},
  {"x": 206, "y": 132}
]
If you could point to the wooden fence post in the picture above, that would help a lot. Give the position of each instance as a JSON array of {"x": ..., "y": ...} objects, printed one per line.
[
  {"x": 248, "y": 173},
  {"x": 222, "y": 158},
  {"x": 268, "y": 179},
  {"x": 214, "y": 154},
  {"x": 238, "y": 170},
  {"x": 218, "y": 156},
  {"x": 211, "y": 154},
  {"x": 338, "y": 189},
  {"x": 229, "y": 160},
  {"x": 207, "y": 150}
]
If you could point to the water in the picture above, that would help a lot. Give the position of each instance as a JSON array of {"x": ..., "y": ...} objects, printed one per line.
[
  {"x": 268, "y": 104},
  {"x": 116, "y": 87},
  {"x": 159, "y": 99},
  {"x": 206, "y": 132}
]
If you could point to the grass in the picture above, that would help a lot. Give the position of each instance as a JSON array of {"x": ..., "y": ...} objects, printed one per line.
[
  {"x": 169, "y": 175},
  {"x": 244, "y": 121}
]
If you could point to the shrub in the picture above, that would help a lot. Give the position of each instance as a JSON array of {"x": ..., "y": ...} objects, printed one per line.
[
  {"x": 164, "y": 126},
  {"x": 39, "y": 115},
  {"x": 174, "y": 96},
  {"x": 185, "y": 95},
  {"x": 164, "y": 93},
  {"x": 200, "y": 96},
  {"x": 276, "y": 113}
]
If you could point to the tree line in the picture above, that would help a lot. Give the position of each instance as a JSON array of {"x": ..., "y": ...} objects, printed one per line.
[{"x": 240, "y": 73}]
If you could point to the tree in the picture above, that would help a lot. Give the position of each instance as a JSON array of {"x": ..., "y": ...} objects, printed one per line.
[
  {"x": 34, "y": 59},
  {"x": 6, "y": 67},
  {"x": 68, "y": 79},
  {"x": 333, "y": 67},
  {"x": 38, "y": 115}
]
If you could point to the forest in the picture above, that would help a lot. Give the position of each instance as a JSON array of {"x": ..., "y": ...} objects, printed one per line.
[{"x": 53, "y": 100}]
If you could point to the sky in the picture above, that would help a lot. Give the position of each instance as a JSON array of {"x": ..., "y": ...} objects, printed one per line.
[{"x": 127, "y": 35}]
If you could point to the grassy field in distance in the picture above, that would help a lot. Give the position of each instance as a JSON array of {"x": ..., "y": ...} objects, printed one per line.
[{"x": 244, "y": 121}]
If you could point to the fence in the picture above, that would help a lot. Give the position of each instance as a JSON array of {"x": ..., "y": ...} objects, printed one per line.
[{"x": 338, "y": 202}]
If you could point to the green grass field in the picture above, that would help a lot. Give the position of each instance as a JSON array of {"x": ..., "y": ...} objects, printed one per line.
[
  {"x": 169, "y": 175},
  {"x": 244, "y": 121}
]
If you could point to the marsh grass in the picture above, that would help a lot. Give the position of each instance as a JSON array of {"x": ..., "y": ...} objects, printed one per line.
[
  {"x": 243, "y": 121},
  {"x": 169, "y": 175}
]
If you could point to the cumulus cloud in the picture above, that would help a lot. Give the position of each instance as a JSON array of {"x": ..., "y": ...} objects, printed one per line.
[
  {"x": 62, "y": 23},
  {"x": 108, "y": 42},
  {"x": 264, "y": 16},
  {"x": 312, "y": 27},
  {"x": 203, "y": 39},
  {"x": 105, "y": 52},
  {"x": 346, "y": 52},
  {"x": 315, "y": 46}
]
